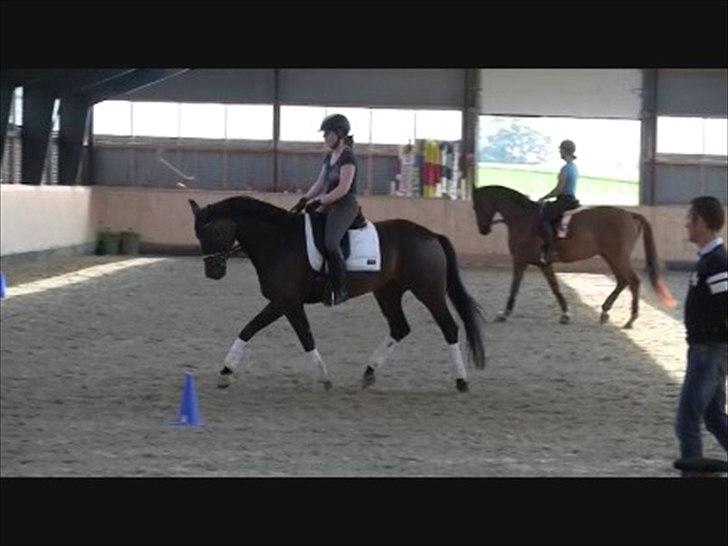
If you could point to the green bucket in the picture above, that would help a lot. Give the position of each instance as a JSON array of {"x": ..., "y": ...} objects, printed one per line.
[
  {"x": 107, "y": 243},
  {"x": 130, "y": 242}
]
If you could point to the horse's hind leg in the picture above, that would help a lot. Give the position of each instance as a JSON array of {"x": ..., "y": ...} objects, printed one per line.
[
  {"x": 634, "y": 287},
  {"x": 621, "y": 273},
  {"x": 236, "y": 355},
  {"x": 518, "y": 269},
  {"x": 298, "y": 319},
  {"x": 389, "y": 299},
  {"x": 437, "y": 305},
  {"x": 548, "y": 272},
  {"x": 607, "y": 305}
]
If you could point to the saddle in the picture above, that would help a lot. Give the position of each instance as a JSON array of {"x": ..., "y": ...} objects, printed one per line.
[
  {"x": 560, "y": 224},
  {"x": 360, "y": 246},
  {"x": 318, "y": 226}
]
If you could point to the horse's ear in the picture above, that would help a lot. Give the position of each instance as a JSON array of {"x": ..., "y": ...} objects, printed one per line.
[{"x": 195, "y": 206}]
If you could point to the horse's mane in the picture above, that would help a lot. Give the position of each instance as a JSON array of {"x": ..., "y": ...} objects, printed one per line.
[
  {"x": 507, "y": 193},
  {"x": 234, "y": 207}
]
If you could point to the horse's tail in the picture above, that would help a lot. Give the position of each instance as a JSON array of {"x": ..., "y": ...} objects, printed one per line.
[
  {"x": 468, "y": 309},
  {"x": 652, "y": 263}
]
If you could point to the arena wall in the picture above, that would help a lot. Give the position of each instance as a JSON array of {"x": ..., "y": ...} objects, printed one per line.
[{"x": 38, "y": 218}]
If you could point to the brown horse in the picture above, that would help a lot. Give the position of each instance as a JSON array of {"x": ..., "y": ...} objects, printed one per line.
[
  {"x": 607, "y": 231},
  {"x": 413, "y": 258}
]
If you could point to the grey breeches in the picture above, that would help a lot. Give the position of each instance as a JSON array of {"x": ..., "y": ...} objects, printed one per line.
[{"x": 339, "y": 217}]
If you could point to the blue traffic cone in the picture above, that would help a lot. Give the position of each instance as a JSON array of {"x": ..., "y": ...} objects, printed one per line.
[
  {"x": 3, "y": 286},
  {"x": 189, "y": 411}
]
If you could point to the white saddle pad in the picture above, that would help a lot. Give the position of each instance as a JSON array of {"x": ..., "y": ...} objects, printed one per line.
[{"x": 365, "y": 254}]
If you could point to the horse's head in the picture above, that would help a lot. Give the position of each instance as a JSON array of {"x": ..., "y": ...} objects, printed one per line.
[
  {"x": 510, "y": 204},
  {"x": 485, "y": 209},
  {"x": 217, "y": 237}
]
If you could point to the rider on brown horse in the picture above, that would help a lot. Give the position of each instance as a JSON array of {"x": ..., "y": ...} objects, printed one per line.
[
  {"x": 335, "y": 192},
  {"x": 565, "y": 193}
]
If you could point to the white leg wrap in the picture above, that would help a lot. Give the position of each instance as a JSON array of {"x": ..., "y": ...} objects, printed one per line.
[
  {"x": 456, "y": 361},
  {"x": 236, "y": 354},
  {"x": 315, "y": 361},
  {"x": 383, "y": 352}
]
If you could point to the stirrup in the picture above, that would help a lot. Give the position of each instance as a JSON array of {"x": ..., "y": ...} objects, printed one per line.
[
  {"x": 331, "y": 298},
  {"x": 338, "y": 299},
  {"x": 549, "y": 257}
]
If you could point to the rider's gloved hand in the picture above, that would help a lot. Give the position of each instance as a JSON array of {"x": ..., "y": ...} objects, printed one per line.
[
  {"x": 298, "y": 207},
  {"x": 313, "y": 205}
]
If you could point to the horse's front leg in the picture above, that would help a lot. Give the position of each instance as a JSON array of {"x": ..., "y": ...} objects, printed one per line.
[
  {"x": 548, "y": 272},
  {"x": 238, "y": 351},
  {"x": 298, "y": 319},
  {"x": 518, "y": 269}
]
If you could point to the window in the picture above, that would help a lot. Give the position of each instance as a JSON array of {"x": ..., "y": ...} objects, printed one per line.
[
  {"x": 522, "y": 153},
  {"x": 301, "y": 123},
  {"x": 249, "y": 121},
  {"x": 391, "y": 126},
  {"x": 202, "y": 121},
  {"x": 385, "y": 125},
  {"x": 692, "y": 136},
  {"x": 112, "y": 117},
  {"x": 439, "y": 124},
  {"x": 715, "y": 137},
  {"x": 155, "y": 119},
  {"x": 255, "y": 122}
]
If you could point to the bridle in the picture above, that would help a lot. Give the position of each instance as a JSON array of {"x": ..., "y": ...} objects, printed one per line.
[{"x": 222, "y": 255}]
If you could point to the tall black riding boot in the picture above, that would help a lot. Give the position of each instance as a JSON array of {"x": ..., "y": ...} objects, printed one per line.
[
  {"x": 549, "y": 254},
  {"x": 337, "y": 274}
]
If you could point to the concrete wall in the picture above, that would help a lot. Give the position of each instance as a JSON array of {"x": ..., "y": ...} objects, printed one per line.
[{"x": 38, "y": 218}]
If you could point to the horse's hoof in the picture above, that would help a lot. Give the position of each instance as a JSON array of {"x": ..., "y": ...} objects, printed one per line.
[
  {"x": 224, "y": 381},
  {"x": 327, "y": 385},
  {"x": 627, "y": 326},
  {"x": 501, "y": 318},
  {"x": 565, "y": 319},
  {"x": 603, "y": 318},
  {"x": 369, "y": 378},
  {"x": 462, "y": 385}
]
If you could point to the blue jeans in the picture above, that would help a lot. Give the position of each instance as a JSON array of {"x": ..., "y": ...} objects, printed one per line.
[{"x": 703, "y": 398}]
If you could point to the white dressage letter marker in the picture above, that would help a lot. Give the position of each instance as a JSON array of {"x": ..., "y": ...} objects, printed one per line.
[
  {"x": 236, "y": 354},
  {"x": 456, "y": 361},
  {"x": 383, "y": 352}
]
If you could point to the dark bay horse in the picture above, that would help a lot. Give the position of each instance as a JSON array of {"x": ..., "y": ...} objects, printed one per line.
[
  {"x": 412, "y": 257},
  {"x": 609, "y": 232}
]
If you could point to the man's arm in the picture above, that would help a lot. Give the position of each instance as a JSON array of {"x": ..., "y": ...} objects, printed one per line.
[{"x": 716, "y": 278}]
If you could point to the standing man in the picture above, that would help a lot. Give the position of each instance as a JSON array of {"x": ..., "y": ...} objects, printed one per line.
[{"x": 703, "y": 394}]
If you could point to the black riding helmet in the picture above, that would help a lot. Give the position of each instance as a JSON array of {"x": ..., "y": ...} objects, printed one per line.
[
  {"x": 336, "y": 123},
  {"x": 568, "y": 147}
]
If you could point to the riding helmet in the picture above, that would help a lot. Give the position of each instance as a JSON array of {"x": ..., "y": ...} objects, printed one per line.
[{"x": 336, "y": 123}]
